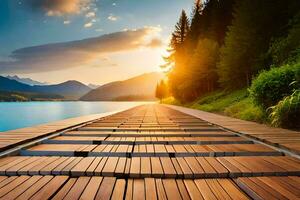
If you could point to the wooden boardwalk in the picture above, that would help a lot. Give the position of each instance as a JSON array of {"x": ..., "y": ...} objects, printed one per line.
[{"x": 147, "y": 152}]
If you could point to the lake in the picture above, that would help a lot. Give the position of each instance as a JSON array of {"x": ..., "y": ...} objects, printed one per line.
[{"x": 15, "y": 115}]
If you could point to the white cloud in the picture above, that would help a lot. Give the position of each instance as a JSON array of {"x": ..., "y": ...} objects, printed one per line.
[
  {"x": 59, "y": 56},
  {"x": 111, "y": 17},
  {"x": 114, "y": 4},
  {"x": 59, "y": 7},
  {"x": 67, "y": 22},
  {"x": 88, "y": 25},
  {"x": 90, "y": 14}
]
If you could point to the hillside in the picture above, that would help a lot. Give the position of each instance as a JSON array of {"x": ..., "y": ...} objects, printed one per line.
[
  {"x": 70, "y": 90},
  {"x": 136, "y": 88},
  {"x": 11, "y": 96}
]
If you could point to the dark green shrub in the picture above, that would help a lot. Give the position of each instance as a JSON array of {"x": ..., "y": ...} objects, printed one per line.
[
  {"x": 272, "y": 86},
  {"x": 287, "y": 112}
]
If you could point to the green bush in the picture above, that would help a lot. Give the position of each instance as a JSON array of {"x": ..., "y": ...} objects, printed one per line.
[
  {"x": 246, "y": 110},
  {"x": 287, "y": 112},
  {"x": 272, "y": 86}
]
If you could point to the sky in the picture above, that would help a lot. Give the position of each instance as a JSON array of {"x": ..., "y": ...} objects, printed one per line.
[{"x": 92, "y": 41}]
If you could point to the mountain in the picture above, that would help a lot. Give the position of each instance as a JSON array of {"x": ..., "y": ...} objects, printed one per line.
[
  {"x": 137, "y": 88},
  {"x": 27, "y": 81},
  {"x": 93, "y": 86},
  {"x": 70, "y": 90}
]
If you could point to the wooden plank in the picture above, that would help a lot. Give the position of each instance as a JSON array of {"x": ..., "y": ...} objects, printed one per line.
[
  {"x": 24, "y": 170},
  {"x": 12, "y": 185},
  {"x": 21, "y": 188},
  {"x": 65, "y": 189},
  {"x": 217, "y": 189},
  {"x": 209, "y": 171},
  {"x": 145, "y": 166},
  {"x": 110, "y": 166},
  {"x": 195, "y": 167},
  {"x": 205, "y": 189},
  {"x": 135, "y": 167},
  {"x": 157, "y": 170},
  {"x": 253, "y": 190},
  {"x": 51, "y": 187},
  {"x": 90, "y": 170},
  {"x": 80, "y": 168},
  {"x": 91, "y": 189},
  {"x": 129, "y": 189},
  {"x": 160, "y": 190},
  {"x": 7, "y": 181},
  {"x": 231, "y": 189},
  {"x": 182, "y": 189},
  {"x": 168, "y": 168},
  {"x": 12, "y": 163},
  {"x": 106, "y": 188},
  {"x": 171, "y": 189},
  {"x": 150, "y": 189},
  {"x": 192, "y": 189},
  {"x": 187, "y": 172},
  {"x": 266, "y": 188},
  {"x": 66, "y": 169},
  {"x": 179, "y": 172},
  {"x": 220, "y": 169},
  {"x": 57, "y": 169},
  {"x": 35, "y": 187},
  {"x": 77, "y": 189},
  {"x": 100, "y": 166},
  {"x": 138, "y": 189},
  {"x": 120, "y": 168},
  {"x": 119, "y": 189},
  {"x": 288, "y": 194},
  {"x": 48, "y": 170}
]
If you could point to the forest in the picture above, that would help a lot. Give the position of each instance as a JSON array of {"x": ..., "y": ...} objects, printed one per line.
[{"x": 241, "y": 55}]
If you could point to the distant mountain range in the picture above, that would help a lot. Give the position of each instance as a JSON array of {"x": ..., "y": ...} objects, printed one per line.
[
  {"x": 137, "y": 88},
  {"x": 27, "y": 81},
  {"x": 93, "y": 86},
  {"x": 70, "y": 90}
]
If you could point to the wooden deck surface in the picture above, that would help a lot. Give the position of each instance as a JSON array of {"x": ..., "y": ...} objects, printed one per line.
[
  {"x": 278, "y": 137},
  {"x": 149, "y": 152}
]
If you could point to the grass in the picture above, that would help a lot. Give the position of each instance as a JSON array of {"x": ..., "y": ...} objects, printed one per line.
[{"x": 235, "y": 104}]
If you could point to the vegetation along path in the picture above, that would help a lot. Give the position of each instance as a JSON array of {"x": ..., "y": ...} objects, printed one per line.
[{"x": 150, "y": 152}]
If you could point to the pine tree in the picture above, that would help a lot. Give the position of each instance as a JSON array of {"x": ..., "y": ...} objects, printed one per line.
[
  {"x": 178, "y": 38},
  {"x": 178, "y": 54},
  {"x": 161, "y": 91},
  {"x": 195, "y": 28}
]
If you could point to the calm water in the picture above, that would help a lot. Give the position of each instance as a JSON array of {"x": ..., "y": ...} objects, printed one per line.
[{"x": 15, "y": 115}]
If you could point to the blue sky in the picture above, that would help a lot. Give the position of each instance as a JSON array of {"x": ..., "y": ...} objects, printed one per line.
[{"x": 30, "y": 29}]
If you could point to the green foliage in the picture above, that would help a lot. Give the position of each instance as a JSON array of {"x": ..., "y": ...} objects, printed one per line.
[
  {"x": 201, "y": 76},
  {"x": 26, "y": 96},
  {"x": 235, "y": 104},
  {"x": 286, "y": 50},
  {"x": 172, "y": 101},
  {"x": 272, "y": 86},
  {"x": 246, "y": 110},
  {"x": 287, "y": 112},
  {"x": 255, "y": 24},
  {"x": 219, "y": 101}
]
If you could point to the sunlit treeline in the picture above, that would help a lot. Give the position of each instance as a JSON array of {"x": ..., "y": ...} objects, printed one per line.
[{"x": 225, "y": 43}]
